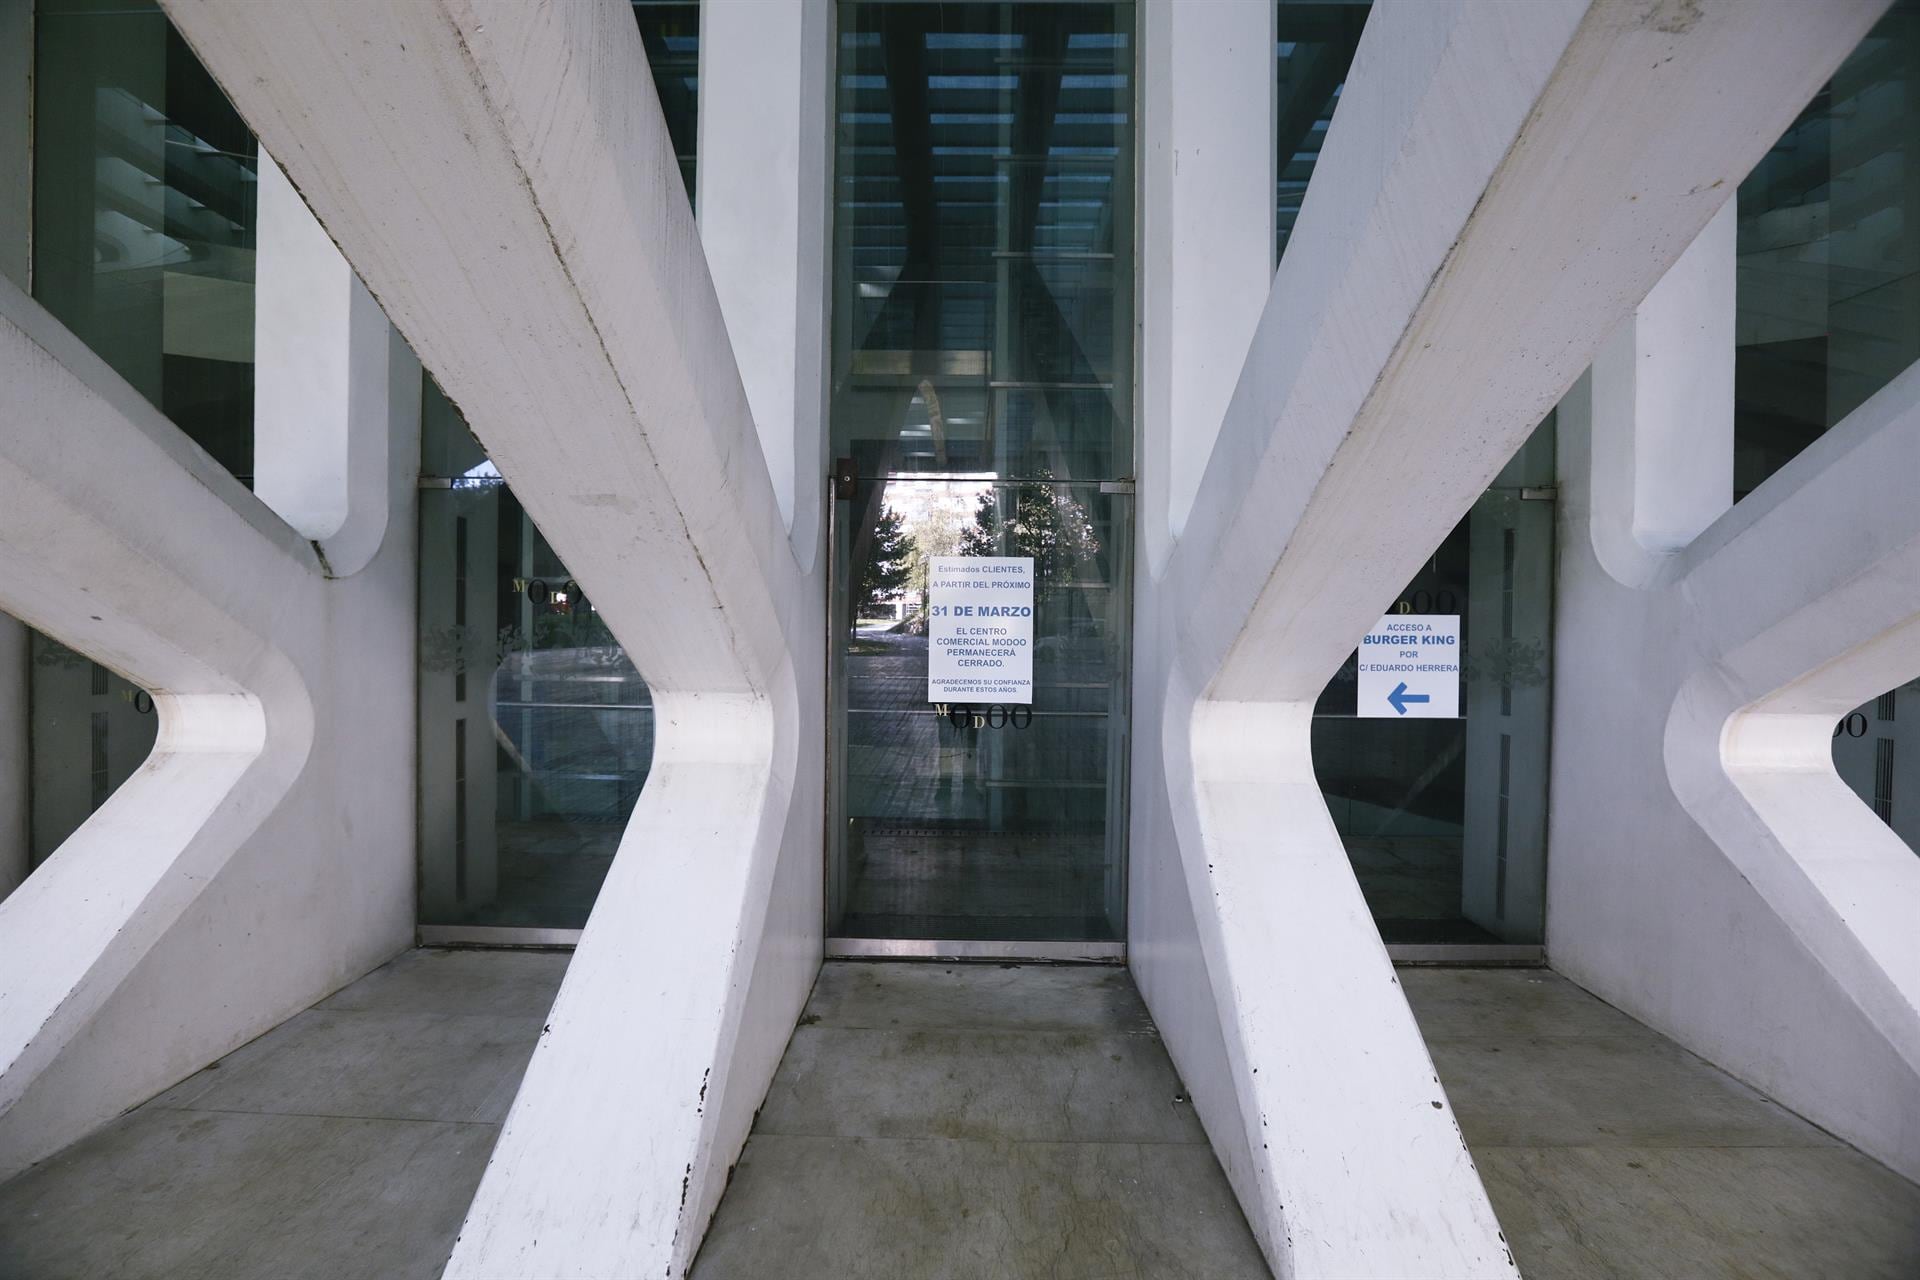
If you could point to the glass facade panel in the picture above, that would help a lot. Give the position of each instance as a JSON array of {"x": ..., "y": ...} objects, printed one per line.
[
  {"x": 1445, "y": 820},
  {"x": 1867, "y": 755},
  {"x": 982, "y": 396},
  {"x": 1314, "y": 41},
  {"x": 88, "y": 729},
  {"x": 143, "y": 214},
  {"x": 670, "y": 29},
  {"x": 1829, "y": 254},
  {"x": 536, "y": 730}
]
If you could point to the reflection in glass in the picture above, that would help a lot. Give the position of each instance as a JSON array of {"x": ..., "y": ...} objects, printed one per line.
[
  {"x": 983, "y": 215},
  {"x": 1866, "y": 754},
  {"x": 1445, "y": 820},
  {"x": 89, "y": 729},
  {"x": 144, "y": 204},
  {"x": 1829, "y": 254},
  {"x": 1314, "y": 45},
  {"x": 670, "y": 30},
  {"x": 990, "y": 821},
  {"x": 983, "y": 344},
  {"x": 536, "y": 731}
]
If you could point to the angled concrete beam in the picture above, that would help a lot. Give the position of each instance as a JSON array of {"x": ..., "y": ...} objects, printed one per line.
[
  {"x": 496, "y": 173},
  {"x": 1718, "y": 836},
  {"x": 1501, "y": 186},
  {"x": 1801, "y": 604},
  {"x": 105, "y": 514},
  {"x": 1529, "y": 250},
  {"x": 500, "y": 175}
]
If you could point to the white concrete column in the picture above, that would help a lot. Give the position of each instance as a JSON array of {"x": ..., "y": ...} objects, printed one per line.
[
  {"x": 320, "y": 383},
  {"x": 1206, "y": 235},
  {"x": 1663, "y": 412},
  {"x": 764, "y": 188}
]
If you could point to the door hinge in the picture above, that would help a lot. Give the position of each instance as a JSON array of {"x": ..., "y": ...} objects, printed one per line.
[
  {"x": 845, "y": 477},
  {"x": 1545, "y": 493},
  {"x": 1116, "y": 486}
]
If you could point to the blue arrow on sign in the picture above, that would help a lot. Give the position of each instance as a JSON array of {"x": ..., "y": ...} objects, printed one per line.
[{"x": 1400, "y": 697}]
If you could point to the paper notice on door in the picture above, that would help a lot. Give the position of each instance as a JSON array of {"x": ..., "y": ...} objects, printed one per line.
[{"x": 980, "y": 629}]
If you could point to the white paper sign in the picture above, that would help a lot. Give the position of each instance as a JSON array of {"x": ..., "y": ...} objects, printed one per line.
[
  {"x": 1410, "y": 666},
  {"x": 980, "y": 629}
]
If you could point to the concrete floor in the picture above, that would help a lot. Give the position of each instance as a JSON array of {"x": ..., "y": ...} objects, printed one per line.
[
  {"x": 1610, "y": 1152},
  {"x": 345, "y": 1143},
  {"x": 958, "y": 1121},
  {"x": 937, "y": 1121}
]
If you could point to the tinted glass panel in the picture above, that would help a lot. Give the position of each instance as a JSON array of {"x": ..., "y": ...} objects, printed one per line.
[
  {"x": 144, "y": 203},
  {"x": 1445, "y": 819},
  {"x": 671, "y": 33},
  {"x": 1314, "y": 45},
  {"x": 1868, "y": 756},
  {"x": 1829, "y": 270},
  {"x": 536, "y": 731},
  {"x": 983, "y": 343},
  {"x": 89, "y": 729}
]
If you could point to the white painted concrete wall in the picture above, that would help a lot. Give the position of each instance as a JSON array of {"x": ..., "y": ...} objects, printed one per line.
[{"x": 1500, "y": 187}]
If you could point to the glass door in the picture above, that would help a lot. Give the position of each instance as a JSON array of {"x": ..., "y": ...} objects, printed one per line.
[
  {"x": 982, "y": 417},
  {"x": 1445, "y": 819}
]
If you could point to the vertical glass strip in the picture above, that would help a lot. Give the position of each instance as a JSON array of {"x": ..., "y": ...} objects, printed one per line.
[
  {"x": 1883, "y": 779},
  {"x": 670, "y": 30},
  {"x": 460, "y": 809},
  {"x": 460, "y": 604},
  {"x": 1313, "y": 49},
  {"x": 1500, "y": 835},
  {"x": 98, "y": 724},
  {"x": 1507, "y": 549}
]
